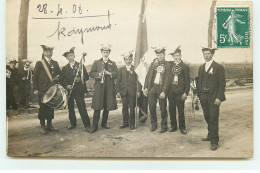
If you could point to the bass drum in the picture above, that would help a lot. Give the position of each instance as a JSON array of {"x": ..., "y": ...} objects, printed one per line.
[{"x": 55, "y": 97}]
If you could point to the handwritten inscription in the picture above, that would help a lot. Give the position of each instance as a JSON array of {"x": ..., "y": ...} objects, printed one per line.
[{"x": 76, "y": 12}]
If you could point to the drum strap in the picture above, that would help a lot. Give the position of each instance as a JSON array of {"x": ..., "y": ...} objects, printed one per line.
[{"x": 46, "y": 69}]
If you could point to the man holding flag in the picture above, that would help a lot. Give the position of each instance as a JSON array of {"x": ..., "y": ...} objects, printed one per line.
[{"x": 75, "y": 76}]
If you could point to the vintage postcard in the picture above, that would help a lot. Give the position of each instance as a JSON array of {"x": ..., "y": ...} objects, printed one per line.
[{"x": 129, "y": 79}]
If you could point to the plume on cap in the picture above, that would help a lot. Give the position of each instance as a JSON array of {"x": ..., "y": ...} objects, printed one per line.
[
  {"x": 106, "y": 47},
  {"x": 70, "y": 51},
  {"x": 159, "y": 50},
  {"x": 177, "y": 50},
  {"x": 44, "y": 47},
  {"x": 127, "y": 54}
]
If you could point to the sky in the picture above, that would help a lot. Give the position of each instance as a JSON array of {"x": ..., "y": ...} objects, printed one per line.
[{"x": 170, "y": 23}]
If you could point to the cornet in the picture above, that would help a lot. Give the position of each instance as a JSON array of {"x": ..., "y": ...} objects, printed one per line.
[{"x": 102, "y": 76}]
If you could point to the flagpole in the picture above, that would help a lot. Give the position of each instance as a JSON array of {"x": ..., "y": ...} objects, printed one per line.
[{"x": 141, "y": 49}]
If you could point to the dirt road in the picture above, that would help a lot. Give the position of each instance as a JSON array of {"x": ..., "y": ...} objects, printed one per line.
[{"x": 236, "y": 135}]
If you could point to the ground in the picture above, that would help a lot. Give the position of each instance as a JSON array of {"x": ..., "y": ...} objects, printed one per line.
[{"x": 236, "y": 135}]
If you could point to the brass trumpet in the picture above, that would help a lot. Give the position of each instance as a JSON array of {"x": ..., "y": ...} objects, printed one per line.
[{"x": 102, "y": 76}]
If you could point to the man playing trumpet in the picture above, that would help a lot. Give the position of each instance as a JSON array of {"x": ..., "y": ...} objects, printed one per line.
[{"x": 104, "y": 71}]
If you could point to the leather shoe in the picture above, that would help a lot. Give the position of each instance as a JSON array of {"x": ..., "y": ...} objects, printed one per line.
[
  {"x": 43, "y": 130},
  {"x": 93, "y": 130},
  {"x": 172, "y": 129},
  {"x": 213, "y": 147},
  {"x": 124, "y": 126},
  {"x": 153, "y": 128},
  {"x": 51, "y": 128},
  {"x": 88, "y": 129},
  {"x": 132, "y": 127},
  {"x": 163, "y": 130},
  {"x": 184, "y": 131},
  {"x": 71, "y": 127},
  {"x": 205, "y": 139},
  {"x": 106, "y": 127}
]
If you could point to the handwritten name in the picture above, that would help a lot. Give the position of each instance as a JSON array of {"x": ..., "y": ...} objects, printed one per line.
[{"x": 63, "y": 31}]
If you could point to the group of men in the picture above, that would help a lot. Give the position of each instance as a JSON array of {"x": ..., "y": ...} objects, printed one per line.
[
  {"x": 18, "y": 80},
  {"x": 164, "y": 80}
]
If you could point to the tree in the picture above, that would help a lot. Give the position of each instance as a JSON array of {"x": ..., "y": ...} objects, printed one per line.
[
  {"x": 211, "y": 20},
  {"x": 23, "y": 24}
]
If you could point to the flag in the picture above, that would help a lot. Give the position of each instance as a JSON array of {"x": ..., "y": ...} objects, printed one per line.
[{"x": 140, "y": 61}]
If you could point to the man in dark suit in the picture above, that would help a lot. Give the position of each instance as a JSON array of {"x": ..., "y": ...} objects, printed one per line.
[
  {"x": 41, "y": 82},
  {"x": 156, "y": 85},
  {"x": 180, "y": 87},
  {"x": 211, "y": 91},
  {"x": 74, "y": 77},
  {"x": 104, "y": 71},
  {"x": 11, "y": 83},
  {"x": 126, "y": 87},
  {"x": 25, "y": 79}
]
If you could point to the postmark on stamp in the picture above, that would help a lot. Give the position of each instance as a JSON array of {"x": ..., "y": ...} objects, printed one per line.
[{"x": 233, "y": 27}]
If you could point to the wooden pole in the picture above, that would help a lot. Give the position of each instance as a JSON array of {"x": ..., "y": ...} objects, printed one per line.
[
  {"x": 22, "y": 38},
  {"x": 211, "y": 19}
]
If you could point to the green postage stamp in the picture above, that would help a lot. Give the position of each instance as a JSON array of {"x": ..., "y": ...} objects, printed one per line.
[{"x": 233, "y": 27}]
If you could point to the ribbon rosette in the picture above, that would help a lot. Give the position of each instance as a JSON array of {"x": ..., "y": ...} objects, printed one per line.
[{"x": 211, "y": 71}]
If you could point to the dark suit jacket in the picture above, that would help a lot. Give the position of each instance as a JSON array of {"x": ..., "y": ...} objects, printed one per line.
[
  {"x": 24, "y": 84},
  {"x": 217, "y": 81},
  {"x": 41, "y": 81},
  {"x": 127, "y": 82},
  {"x": 166, "y": 77},
  {"x": 183, "y": 85},
  {"x": 13, "y": 80},
  {"x": 68, "y": 74}
]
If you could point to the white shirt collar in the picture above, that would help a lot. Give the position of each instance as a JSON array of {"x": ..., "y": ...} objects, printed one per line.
[
  {"x": 26, "y": 69},
  {"x": 208, "y": 64},
  {"x": 72, "y": 64},
  {"x": 128, "y": 66},
  {"x": 177, "y": 62},
  {"x": 106, "y": 60},
  {"x": 47, "y": 59}
]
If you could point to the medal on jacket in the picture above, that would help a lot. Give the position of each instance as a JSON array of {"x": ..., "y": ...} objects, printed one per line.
[
  {"x": 160, "y": 69},
  {"x": 176, "y": 70}
]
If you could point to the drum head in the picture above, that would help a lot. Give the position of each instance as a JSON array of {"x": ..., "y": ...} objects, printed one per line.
[{"x": 49, "y": 94}]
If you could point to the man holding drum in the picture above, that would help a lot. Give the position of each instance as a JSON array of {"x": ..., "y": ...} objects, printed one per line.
[
  {"x": 46, "y": 72},
  {"x": 75, "y": 76}
]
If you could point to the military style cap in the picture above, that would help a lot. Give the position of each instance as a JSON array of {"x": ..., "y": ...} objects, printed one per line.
[
  {"x": 13, "y": 61},
  {"x": 106, "y": 47},
  {"x": 26, "y": 60},
  {"x": 212, "y": 50},
  {"x": 128, "y": 54},
  {"x": 70, "y": 51},
  {"x": 44, "y": 47},
  {"x": 177, "y": 50},
  {"x": 159, "y": 50}
]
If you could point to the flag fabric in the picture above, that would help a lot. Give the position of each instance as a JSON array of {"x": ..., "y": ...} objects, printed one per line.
[{"x": 140, "y": 61}]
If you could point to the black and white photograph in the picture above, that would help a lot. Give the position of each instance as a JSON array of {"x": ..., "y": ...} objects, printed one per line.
[{"x": 139, "y": 79}]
